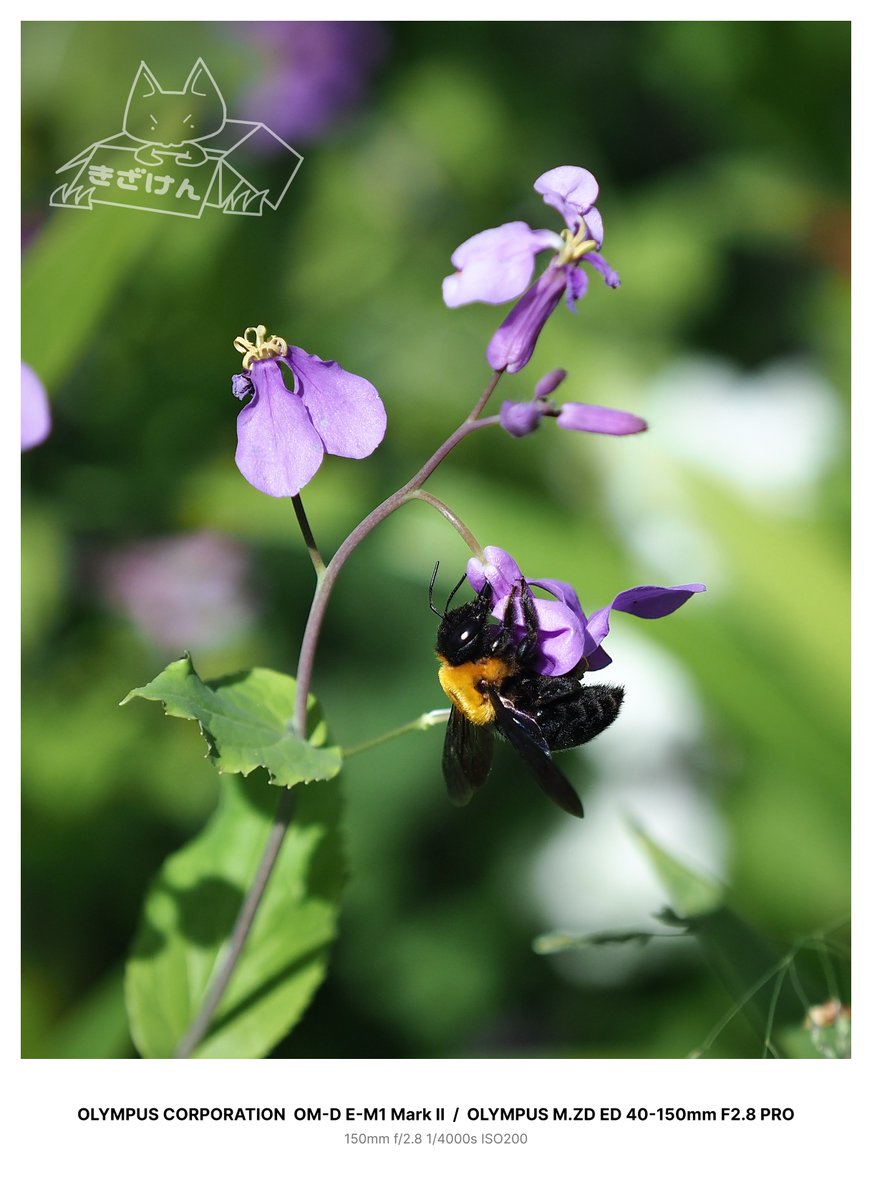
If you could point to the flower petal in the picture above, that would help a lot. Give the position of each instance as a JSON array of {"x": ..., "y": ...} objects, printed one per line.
[
  {"x": 647, "y": 601},
  {"x": 593, "y": 223},
  {"x": 512, "y": 346},
  {"x": 242, "y": 386},
  {"x": 561, "y": 637},
  {"x": 278, "y": 449},
  {"x": 496, "y": 265},
  {"x": 498, "y": 569},
  {"x": 607, "y": 271},
  {"x": 564, "y": 638},
  {"x": 571, "y": 190},
  {"x": 564, "y": 592},
  {"x": 521, "y": 418},
  {"x": 596, "y": 659},
  {"x": 651, "y": 602},
  {"x": 345, "y": 409},
  {"x": 35, "y": 412},
  {"x": 590, "y": 418},
  {"x": 576, "y": 287}
]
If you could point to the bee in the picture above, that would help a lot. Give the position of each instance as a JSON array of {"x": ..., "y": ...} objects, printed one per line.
[{"x": 490, "y": 681}]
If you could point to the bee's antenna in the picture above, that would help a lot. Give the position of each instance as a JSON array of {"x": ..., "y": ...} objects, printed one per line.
[
  {"x": 451, "y": 596},
  {"x": 433, "y": 608},
  {"x": 456, "y": 589}
]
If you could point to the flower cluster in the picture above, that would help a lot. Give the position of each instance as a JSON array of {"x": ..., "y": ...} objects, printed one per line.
[
  {"x": 567, "y": 638},
  {"x": 497, "y": 265},
  {"x": 522, "y": 417}
]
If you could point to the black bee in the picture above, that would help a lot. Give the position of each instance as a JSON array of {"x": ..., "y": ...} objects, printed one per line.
[{"x": 491, "y": 684}]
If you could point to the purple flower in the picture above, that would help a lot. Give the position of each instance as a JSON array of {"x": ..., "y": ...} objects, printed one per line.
[
  {"x": 186, "y": 592},
  {"x": 522, "y": 417},
  {"x": 315, "y": 73},
  {"x": 549, "y": 383},
  {"x": 512, "y": 346},
  {"x": 284, "y": 432},
  {"x": 567, "y": 638},
  {"x": 35, "y": 412},
  {"x": 497, "y": 265}
]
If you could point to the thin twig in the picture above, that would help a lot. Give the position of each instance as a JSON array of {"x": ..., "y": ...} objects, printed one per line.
[
  {"x": 308, "y": 536},
  {"x": 242, "y": 928},
  {"x": 486, "y": 395},
  {"x": 451, "y": 517},
  {"x": 436, "y": 716}
]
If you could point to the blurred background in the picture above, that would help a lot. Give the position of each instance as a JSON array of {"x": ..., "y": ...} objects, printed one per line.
[{"x": 722, "y": 155}]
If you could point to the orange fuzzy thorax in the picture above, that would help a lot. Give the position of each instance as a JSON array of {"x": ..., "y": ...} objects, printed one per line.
[{"x": 461, "y": 686}]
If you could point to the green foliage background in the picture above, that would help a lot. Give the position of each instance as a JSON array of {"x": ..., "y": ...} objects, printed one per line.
[{"x": 722, "y": 155}]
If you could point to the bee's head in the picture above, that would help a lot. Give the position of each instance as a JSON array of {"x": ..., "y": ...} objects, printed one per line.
[{"x": 465, "y": 633}]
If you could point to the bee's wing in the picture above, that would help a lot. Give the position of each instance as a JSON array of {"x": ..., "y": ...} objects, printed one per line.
[
  {"x": 521, "y": 730},
  {"x": 466, "y": 757}
]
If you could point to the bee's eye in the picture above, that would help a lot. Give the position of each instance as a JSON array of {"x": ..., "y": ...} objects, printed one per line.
[{"x": 467, "y": 633}]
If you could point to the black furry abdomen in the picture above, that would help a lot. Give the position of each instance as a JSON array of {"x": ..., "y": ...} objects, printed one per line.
[{"x": 568, "y": 712}]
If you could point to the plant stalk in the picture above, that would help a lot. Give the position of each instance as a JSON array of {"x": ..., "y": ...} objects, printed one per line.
[{"x": 327, "y": 575}]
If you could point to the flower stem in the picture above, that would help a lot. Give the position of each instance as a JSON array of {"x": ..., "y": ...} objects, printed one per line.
[
  {"x": 324, "y": 586},
  {"x": 486, "y": 395},
  {"x": 242, "y": 928},
  {"x": 321, "y": 598},
  {"x": 308, "y": 536},
  {"x": 451, "y": 517},
  {"x": 436, "y": 716}
]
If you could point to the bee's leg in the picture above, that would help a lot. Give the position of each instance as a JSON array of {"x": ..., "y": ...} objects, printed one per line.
[{"x": 529, "y": 646}]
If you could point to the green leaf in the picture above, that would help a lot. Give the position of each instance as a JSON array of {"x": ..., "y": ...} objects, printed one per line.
[
  {"x": 690, "y": 895},
  {"x": 192, "y": 906},
  {"x": 752, "y": 970},
  {"x": 246, "y": 721}
]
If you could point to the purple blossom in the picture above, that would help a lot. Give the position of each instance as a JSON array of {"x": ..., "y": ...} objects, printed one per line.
[
  {"x": 497, "y": 265},
  {"x": 568, "y": 639},
  {"x": 591, "y": 418},
  {"x": 522, "y": 417},
  {"x": 549, "y": 383},
  {"x": 35, "y": 412},
  {"x": 284, "y": 432},
  {"x": 186, "y": 592},
  {"x": 314, "y": 74}
]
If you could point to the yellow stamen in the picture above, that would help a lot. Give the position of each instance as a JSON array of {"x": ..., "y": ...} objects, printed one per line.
[
  {"x": 576, "y": 245},
  {"x": 262, "y": 347}
]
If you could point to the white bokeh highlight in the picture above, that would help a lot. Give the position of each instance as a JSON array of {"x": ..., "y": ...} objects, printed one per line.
[{"x": 592, "y": 876}]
